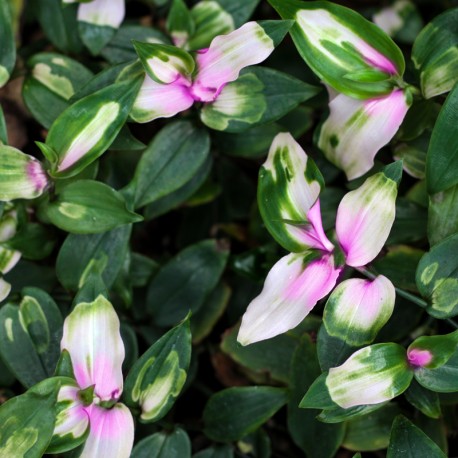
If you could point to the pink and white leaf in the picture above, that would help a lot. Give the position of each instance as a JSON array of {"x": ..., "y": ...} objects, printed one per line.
[
  {"x": 156, "y": 100},
  {"x": 102, "y": 12},
  {"x": 227, "y": 55},
  {"x": 357, "y": 309},
  {"x": 364, "y": 219},
  {"x": 91, "y": 336},
  {"x": 356, "y": 130},
  {"x": 111, "y": 434},
  {"x": 292, "y": 288},
  {"x": 371, "y": 375}
]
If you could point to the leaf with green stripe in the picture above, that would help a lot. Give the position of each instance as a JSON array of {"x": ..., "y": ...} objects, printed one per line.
[
  {"x": 258, "y": 96},
  {"x": 346, "y": 51},
  {"x": 86, "y": 129},
  {"x": 289, "y": 185},
  {"x": 30, "y": 337},
  {"x": 89, "y": 207},
  {"x": 52, "y": 81},
  {"x": 157, "y": 378},
  {"x": 435, "y": 54}
]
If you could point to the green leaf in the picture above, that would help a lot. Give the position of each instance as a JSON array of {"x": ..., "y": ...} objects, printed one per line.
[
  {"x": 8, "y": 54},
  {"x": 332, "y": 350},
  {"x": 52, "y": 81},
  {"x": 435, "y": 54},
  {"x": 240, "y": 10},
  {"x": 336, "y": 41},
  {"x": 340, "y": 415},
  {"x": 439, "y": 348},
  {"x": 204, "y": 320},
  {"x": 437, "y": 278},
  {"x": 101, "y": 116},
  {"x": 174, "y": 444},
  {"x": 399, "y": 265},
  {"x": 33, "y": 240},
  {"x": 78, "y": 251},
  {"x": 185, "y": 282},
  {"x": 30, "y": 337},
  {"x": 180, "y": 23},
  {"x": 443, "y": 379},
  {"x": 209, "y": 19},
  {"x": 181, "y": 195},
  {"x": 258, "y": 96},
  {"x": 286, "y": 172},
  {"x": 442, "y": 156},
  {"x": 372, "y": 431},
  {"x": 120, "y": 48},
  {"x": 381, "y": 366},
  {"x": 316, "y": 439},
  {"x": 413, "y": 159},
  {"x": 233, "y": 413},
  {"x": 426, "y": 401},
  {"x": 157, "y": 378},
  {"x": 28, "y": 421},
  {"x": 89, "y": 207},
  {"x": 269, "y": 359},
  {"x": 171, "y": 160},
  {"x": 59, "y": 24},
  {"x": 217, "y": 451},
  {"x": 407, "y": 441},
  {"x": 443, "y": 215}
]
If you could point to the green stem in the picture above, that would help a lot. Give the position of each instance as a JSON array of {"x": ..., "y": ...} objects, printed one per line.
[{"x": 410, "y": 297}]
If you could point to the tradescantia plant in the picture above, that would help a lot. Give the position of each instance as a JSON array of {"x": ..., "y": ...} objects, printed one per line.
[{"x": 153, "y": 303}]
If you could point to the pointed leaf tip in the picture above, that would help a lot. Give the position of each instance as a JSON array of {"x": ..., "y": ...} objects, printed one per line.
[
  {"x": 276, "y": 29},
  {"x": 393, "y": 171}
]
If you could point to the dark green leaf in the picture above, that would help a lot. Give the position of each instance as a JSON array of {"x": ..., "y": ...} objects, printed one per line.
[
  {"x": 185, "y": 282},
  {"x": 233, "y": 413},
  {"x": 407, "y": 441},
  {"x": 442, "y": 157},
  {"x": 172, "y": 159},
  {"x": 175, "y": 444},
  {"x": 437, "y": 278},
  {"x": 89, "y": 207}
]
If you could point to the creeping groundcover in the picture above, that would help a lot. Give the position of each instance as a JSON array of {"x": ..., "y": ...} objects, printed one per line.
[{"x": 228, "y": 228}]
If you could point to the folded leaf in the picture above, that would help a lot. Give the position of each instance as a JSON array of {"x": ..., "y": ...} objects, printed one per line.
[
  {"x": 356, "y": 130},
  {"x": 289, "y": 186},
  {"x": 91, "y": 336},
  {"x": 372, "y": 375},
  {"x": 72, "y": 421},
  {"x": 180, "y": 23},
  {"x": 365, "y": 216},
  {"x": 227, "y": 55},
  {"x": 258, "y": 96},
  {"x": 432, "y": 352},
  {"x": 336, "y": 41},
  {"x": 357, "y": 309},
  {"x": 21, "y": 176},
  {"x": 157, "y": 100},
  {"x": 111, "y": 432},
  {"x": 156, "y": 379},
  {"x": 292, "y": 288},
  {"x": 164, "y": 63}
]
